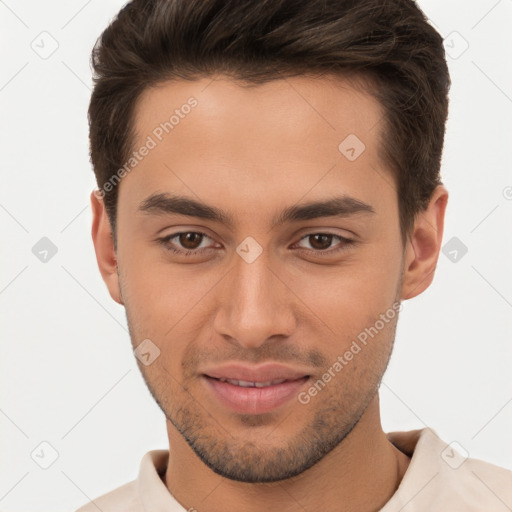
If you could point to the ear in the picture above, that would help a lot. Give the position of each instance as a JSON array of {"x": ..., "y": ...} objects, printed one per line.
[
  {"x": 104, "y": 246},
  {"x": 423, "y": 246}
]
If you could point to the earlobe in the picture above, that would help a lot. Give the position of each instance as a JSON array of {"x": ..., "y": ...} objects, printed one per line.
[
  {"x": 104, "y": 246},
  {"x": 424, "y": 245}
]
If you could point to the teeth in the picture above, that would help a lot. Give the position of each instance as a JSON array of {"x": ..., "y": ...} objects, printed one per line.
[
  {"x": 249, "y": 384},
  {"x": 264, "y": 384},
  {"x": 242, "y": 383}
]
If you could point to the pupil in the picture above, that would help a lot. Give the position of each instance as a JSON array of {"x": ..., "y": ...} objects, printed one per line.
[
  {"x": 185, "y": 240},
  {"x": 326, "y": 238}
]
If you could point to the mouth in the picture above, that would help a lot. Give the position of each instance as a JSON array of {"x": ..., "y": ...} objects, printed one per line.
[
  {"x": 253, "y": 396},
  {"x": 249, "y": 384}
]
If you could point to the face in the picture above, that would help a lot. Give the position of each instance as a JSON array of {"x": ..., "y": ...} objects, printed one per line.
[{"x": 257, "y": 284}]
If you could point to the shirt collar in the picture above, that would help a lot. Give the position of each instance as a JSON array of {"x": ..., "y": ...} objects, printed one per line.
[
  {"x": 152, "y": 490},
  {"x": 424, "y": 447}
]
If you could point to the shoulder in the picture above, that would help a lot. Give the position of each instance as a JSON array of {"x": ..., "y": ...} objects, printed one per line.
[
  {"x": 479, "y": 484},
  {"x": 146, "y": 492},
  {"x": 442, "y": 476},
  {"x": 122, "y": 499}
]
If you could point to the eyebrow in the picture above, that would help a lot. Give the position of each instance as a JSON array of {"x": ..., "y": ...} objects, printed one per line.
[{"x": 341, "y": 206}]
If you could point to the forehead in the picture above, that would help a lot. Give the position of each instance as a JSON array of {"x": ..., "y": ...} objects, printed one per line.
[
  {"x": 217, "y": 139},
  {"x": 303, "y": 109}
]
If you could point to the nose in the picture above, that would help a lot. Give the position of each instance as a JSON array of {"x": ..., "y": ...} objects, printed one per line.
[{"x": 256, "y": 304}]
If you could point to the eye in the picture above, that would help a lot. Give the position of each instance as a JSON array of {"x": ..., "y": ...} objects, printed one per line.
[
  {"x": 321, "y": 242},
  {"x": 188, "y": 242}
]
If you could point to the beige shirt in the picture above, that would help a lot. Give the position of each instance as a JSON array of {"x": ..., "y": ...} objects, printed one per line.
[{"x": 439, "y": 478}]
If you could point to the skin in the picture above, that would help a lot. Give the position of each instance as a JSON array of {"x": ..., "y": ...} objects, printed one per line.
[{"x": 253, "y": 152}]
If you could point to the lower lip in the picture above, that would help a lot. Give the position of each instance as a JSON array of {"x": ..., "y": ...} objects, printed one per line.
[{"x": 254, "y": 400}]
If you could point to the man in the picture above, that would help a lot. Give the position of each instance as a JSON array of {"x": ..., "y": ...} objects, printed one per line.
[{"x": 269, "y": 193}]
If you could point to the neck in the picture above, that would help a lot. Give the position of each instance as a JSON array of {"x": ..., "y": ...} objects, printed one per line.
[{"x": 361, "y": 473}]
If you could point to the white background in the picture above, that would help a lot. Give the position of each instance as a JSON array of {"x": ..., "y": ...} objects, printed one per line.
[{"x": 68, "y": 376}]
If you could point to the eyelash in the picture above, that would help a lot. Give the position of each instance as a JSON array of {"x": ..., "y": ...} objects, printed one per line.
[{"x": 346, "y": 242}]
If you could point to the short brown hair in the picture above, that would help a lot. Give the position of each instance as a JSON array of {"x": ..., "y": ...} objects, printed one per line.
[{"x": 388, "y": 43}]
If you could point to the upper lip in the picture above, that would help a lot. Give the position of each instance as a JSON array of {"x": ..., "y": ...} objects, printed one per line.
[{"x": 262, "y": 373}]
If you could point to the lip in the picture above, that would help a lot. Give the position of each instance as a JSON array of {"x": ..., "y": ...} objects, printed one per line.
[
  {"x": 262, "y": 373},
  {"x": 254, "y": 400}
]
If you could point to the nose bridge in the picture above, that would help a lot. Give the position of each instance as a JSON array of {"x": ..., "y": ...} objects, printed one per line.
[{"x": 255, "y": 305}]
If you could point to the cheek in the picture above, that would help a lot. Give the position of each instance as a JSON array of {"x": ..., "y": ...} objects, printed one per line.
[
  {"x": 347, "y": 299},
  {"x": 160, "y": 288},
  {"x": 166, "y": 303}
]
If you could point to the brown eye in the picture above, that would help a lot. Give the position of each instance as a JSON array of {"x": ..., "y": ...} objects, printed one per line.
[
  {"x": 320, "y": 241},
  {"x": 186, "y": 243},
  {"x": 190, "y": 240}
]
